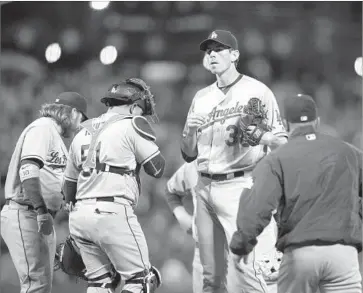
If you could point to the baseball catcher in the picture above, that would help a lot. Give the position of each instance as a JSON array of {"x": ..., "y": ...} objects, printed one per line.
[
  {"x": 102, "y": 188},
  {"x": 254, "y": 114}
]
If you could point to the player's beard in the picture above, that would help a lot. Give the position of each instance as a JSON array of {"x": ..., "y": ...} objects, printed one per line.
[
  {"x": 69, "y": 132},
  {"x": 71, "y": 129}
]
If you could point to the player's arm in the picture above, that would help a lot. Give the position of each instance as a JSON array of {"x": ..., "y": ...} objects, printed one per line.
[
  {"x": 71, "y": 173},
  {"x": 257, "y": 206},
  {"x": 29, "y": 173},
  {"x": 189, "y": 147},
  {"x": 176, "y": 189},
  {"x": 33, "y": 156},
  {"x": 155, "y": 166},
  {"x": 142, "y": 138},
  {"x": 278, "y": 135}
]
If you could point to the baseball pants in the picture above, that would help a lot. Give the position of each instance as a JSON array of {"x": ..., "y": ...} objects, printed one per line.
[
  {"x": 109, "y": 237},
  {"x": 197, "y": 272},
  {"x": 32, "y": 252},
  {"x": 332, "y": 269},
  {"x": 217, "y": 207}
]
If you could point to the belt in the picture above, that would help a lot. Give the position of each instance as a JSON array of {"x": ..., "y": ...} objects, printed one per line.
[
  {"x": 221, "y": 177},
  {"x": 106, "y": 198},
  {"x": 116, "y": 199},
  {"x": 30, "y": 207},
  {"x": 116, "y": 170}
]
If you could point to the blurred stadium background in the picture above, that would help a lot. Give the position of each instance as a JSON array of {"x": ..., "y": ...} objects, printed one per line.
[{"x": 50, "y": 47}]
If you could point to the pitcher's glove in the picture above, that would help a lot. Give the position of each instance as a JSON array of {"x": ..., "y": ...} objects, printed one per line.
[
  {"x": 69, "y": 260},
  {"x": 255, "y": 115}
]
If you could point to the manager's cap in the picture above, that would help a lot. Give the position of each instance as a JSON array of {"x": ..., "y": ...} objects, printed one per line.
[
  {"x": 222, "y": 37},
  {"x": 300, "y": 109},
  {"x": 74, "y": 100}
]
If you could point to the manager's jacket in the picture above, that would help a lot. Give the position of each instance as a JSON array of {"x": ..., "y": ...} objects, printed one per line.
[{"x": 314, "y": 181}]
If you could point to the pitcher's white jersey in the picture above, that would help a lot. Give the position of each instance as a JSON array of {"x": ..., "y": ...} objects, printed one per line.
[
  {"x": 42, "y": 142},
  {"x": 221, "y": 148},
  {"x": 119, "y": 145}
]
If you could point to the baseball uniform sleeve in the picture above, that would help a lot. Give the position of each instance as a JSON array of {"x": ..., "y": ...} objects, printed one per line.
[
  {"x": 273, "y": 114},
  {"x": 36, "y": 144},
  {"x": 189, "y": 149},
  {"x": 72, "y": 170},
  {"x": 176, "y": 189},
  {"x": 144, "y": 149},
  {"x": 257, "y": 206},
  {"x": 191, "y": 109}
]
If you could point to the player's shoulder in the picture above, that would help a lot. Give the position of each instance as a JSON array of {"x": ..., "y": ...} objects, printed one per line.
[
  {"x": 254, "y": 84},
  {"x": 186, "y": 173},
  {"x": 42, "y": 122},
  {"x": 143, "y": 128},
  {"x": 42, "y": 126},
  {"x": 81, "y": 138}
]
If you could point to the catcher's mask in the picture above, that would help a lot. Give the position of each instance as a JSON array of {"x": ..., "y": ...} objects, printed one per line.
[{"x": 131, "y": 91}]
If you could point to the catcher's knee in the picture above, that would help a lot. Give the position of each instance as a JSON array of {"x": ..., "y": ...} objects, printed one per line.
[
  {"x": 150, "y": 280},
  {"x": 108, "y": 281}
]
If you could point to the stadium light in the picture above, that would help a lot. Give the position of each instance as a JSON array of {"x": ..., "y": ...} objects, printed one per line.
[
  {"x": 99, "y": 5},
  {"x": 53, "y": 52},
  {"x": 108, "y": 55},
  {"x": 358, "y": 66}
]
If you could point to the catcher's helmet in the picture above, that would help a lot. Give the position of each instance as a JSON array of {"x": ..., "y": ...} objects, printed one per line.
[{"x": 130, "y": 91}]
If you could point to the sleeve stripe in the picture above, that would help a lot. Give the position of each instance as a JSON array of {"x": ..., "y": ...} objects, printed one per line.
[
  {"x": 149, "y": 158},
  {"x": 33, "y": 157}
]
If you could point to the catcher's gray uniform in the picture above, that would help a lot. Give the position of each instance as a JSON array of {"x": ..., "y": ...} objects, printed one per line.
[{"x": 103, "y": 223}]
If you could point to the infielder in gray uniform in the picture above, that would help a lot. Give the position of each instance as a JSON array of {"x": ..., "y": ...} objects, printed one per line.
[
  {"x": 102, "y": 179},
  {"x": 181, "y": 199},
  {"x": 33, "y": 191}
]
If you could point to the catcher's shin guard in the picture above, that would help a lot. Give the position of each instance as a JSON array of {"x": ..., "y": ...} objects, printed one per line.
[
  {"x": 150, "y": 280},
  {"x": 105, "y": 281}
]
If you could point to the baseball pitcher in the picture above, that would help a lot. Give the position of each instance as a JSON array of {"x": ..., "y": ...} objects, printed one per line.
[
  {"x": 181, "y": 199},
  {"x": 33, "y": 191},
  {"x": 231, "y": 125},
  {"x": 102, "y": 179}
]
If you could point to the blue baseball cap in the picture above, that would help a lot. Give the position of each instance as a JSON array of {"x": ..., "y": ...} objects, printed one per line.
[
  {"x": 300, "y": 109},
  {"x": 223, "y": 37},
  {"x": 74, "y": 100}
]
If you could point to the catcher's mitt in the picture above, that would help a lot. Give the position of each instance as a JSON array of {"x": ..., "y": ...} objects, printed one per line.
[
  {"x": 254, "y": 114},
  {"x": 69, "y": 260}
]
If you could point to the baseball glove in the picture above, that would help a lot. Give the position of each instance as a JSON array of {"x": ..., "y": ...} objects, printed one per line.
[
  {"x": 254, "y": 114},
  {"x": 69, "y": 260}
]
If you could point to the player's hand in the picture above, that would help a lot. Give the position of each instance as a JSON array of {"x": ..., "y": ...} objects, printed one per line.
[
  {"x": 194, "y": 121},
  {"x": 69, "y": 207},
  {"x": 266, "y": 138},
  {"x": 240, "y": 261},
  {"x": 184, "y": 219},
  {"x": 45, "y": 223}
]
